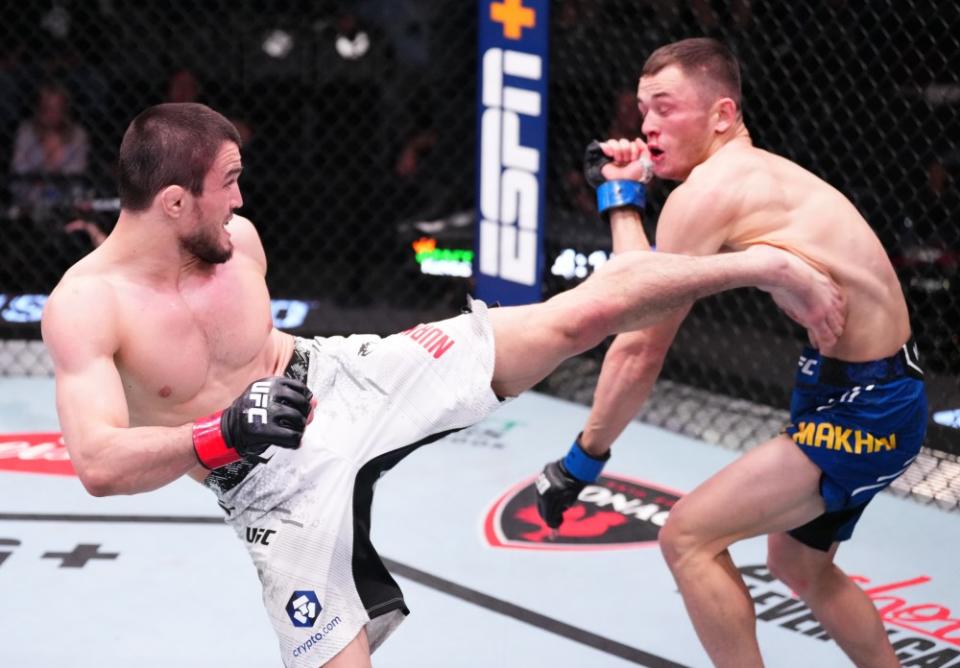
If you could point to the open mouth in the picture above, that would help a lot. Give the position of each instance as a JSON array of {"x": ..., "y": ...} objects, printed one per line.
[{"x": 656, "y": 153}]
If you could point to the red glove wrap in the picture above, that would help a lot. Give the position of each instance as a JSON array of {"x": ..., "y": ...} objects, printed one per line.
[{"x": 212, "y": 451}]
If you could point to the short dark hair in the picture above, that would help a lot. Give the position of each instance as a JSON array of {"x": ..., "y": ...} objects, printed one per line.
[
  {"x": 169, "y": 144},
  {"x": 703, "y": 57}
]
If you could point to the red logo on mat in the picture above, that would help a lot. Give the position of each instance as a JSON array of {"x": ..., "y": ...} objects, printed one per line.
[
  {"x": 613, "y": 513},
  {"x": 35, "y": 453}
]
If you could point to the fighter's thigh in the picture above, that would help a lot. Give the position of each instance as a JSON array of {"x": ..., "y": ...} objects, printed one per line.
[
  {"x": 771, "y": 488},
  {"x": 354, "y": 655}
]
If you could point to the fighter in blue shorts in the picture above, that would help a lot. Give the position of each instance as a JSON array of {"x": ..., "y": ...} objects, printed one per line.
[
  {"x": 862, "y": 424},
  {"x": 858, "y": 410}
]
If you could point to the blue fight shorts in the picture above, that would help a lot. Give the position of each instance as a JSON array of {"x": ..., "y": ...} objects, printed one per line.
[{"x": 862, "y": 424}]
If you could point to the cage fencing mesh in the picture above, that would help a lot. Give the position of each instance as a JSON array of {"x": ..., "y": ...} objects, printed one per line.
[{"x": 358, "y": 121}]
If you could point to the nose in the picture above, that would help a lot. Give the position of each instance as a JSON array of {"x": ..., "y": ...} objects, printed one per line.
[
  {"x": 237, "y": 200},
  {"x": 648, "y": 128}
]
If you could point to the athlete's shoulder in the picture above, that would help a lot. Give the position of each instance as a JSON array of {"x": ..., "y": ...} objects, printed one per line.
[
  {"x": 92, "y": 274},
  {"x": 715, "y": 185},
  {"x": 81, "y": 308},
  {"x": 732, "y": 163},
  {"x": 246, "y": 239},
  {"x": 243, "y": 224},
  {"x": 80, "y": 288}
]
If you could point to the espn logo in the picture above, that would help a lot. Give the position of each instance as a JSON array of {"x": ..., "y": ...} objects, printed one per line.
[
  {"x": 510, "y": 182},
  {"x": 259, "y": 395}
]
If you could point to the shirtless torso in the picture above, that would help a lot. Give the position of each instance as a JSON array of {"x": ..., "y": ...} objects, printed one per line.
[
  {"x": 805, "y": 493},
  {"x": 166, "y": 356},
  {"x": 181, "y": 348},
  {"x": 751, "y": 196}
]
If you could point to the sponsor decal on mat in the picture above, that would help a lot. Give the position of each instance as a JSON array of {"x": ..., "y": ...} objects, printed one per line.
[
  {"x": 41, "y": 452},
  {"x": 922, "y": 633},
  {"x": 614, "y": 513}
]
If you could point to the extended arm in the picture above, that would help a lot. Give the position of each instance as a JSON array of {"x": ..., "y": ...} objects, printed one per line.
[{"x": 634, "y": 360}]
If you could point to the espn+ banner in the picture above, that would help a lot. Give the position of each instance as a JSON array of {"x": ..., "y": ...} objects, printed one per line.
[{"x": 512, "y": 142}]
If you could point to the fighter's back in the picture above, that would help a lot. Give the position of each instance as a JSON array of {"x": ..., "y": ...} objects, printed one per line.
[{"x": 777, "y": 202}]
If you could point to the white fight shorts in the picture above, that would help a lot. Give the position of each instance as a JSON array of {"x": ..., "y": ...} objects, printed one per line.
[{"x": 304, "y": 514}]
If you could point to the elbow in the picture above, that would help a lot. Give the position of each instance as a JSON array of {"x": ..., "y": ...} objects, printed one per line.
[
  {"x": 97, "y": 486},
  {"x": 98, "y": 481}
]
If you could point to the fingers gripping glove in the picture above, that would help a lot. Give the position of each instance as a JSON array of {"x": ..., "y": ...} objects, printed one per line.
[
  {"x": 560, "y": 482},
  {"x": 612, "y": 194},
  {"x": 271, "y": 411}
]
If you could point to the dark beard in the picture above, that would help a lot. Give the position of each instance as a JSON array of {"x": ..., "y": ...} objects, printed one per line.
[{"x": 205, "y": 249}]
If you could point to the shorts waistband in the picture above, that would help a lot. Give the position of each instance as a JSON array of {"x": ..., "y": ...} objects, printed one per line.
[
  {"x": 815, "y": 368},
  {"x": 299, "y": 360},
  {"x": 225, "y": 478}
]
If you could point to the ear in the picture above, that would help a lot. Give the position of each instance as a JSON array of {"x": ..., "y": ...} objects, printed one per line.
[
  {"x": 172, "y": 201},
  {"x": 726, "y": 114}
]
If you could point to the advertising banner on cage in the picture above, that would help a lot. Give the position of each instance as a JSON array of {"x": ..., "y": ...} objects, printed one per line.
[{"x": 511, "y": 150}]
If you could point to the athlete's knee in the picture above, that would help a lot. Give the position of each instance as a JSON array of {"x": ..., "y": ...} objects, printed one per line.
[
  {"x": 678, "y": 541},
  {"x": 585, "y": 324}
]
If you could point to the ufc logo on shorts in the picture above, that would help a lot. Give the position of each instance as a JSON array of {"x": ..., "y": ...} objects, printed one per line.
[
  {"x": 259, "y": 395},
  {"x": 262, "y": 536},
  {"x": 509, "y": 183},
  {"x": 806, "y": 365}
]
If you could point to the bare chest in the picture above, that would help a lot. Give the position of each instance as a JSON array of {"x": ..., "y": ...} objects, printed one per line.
[{"x": 183, "y": 351}]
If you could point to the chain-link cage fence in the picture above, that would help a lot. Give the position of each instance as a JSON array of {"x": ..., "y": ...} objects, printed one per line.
[
  {"x": 358, "y": 121},
  {"x": 865, "y": 95}
]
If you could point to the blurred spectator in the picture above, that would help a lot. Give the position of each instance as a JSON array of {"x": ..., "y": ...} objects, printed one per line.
[
  {"x": 87, "y": 229},
  {"x": 50, "y": 142},
  {"x": 927, "y": 256},
  {"x": 183, "y": 86},
  {"x": 49, "y": 156},
  {"x": 935, "y": 215},
  {"x": 49, "y": 178},
  {"x": 416, "y": 147},
  {"x": 412, "y": 173},
  {"x": 710, "y": 16}
]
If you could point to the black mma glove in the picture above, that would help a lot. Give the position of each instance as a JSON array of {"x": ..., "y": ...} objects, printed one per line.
[
  {"x": 612, "y": 194},
  {"x": 593, "y": 161},
  {"x": 271, "y": 411},
  {"x": 560, "y": 482}
]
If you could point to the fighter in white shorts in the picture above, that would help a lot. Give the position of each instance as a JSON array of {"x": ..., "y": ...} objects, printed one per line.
[
  {"x": 304, "y": 514},
  {"x": 169, "y": 320}
]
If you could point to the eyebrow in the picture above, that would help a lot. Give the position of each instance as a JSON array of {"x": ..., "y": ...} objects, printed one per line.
[
  {"x": 231, "y": 173},
  {"x": 655, "y": 96}
]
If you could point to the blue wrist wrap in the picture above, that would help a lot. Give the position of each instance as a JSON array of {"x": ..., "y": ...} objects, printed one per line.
[
  {"x": 581, "y": 465},
  {"x": 614, "y": 194}
]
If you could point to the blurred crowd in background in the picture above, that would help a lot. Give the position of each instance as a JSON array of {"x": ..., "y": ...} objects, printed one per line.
[{"x": 359, "y": 117}]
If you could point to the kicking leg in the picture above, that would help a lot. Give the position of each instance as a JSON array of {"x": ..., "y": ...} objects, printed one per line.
[
  {"x": 354, "y": 655},
  {"x": 635, "y": 290}
]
